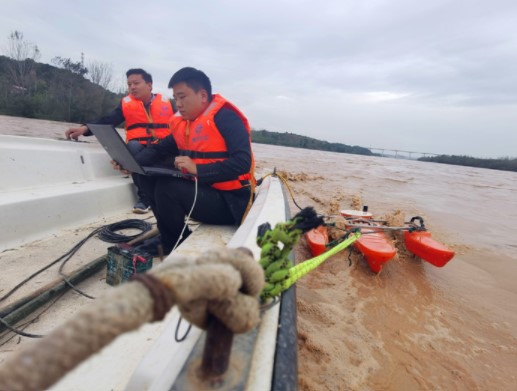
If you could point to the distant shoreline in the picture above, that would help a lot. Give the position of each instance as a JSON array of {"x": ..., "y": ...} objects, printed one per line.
[{"x": 34, "y": 127}]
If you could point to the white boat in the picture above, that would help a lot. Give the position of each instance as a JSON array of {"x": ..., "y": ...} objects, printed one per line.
[{"x": 43, "y": 183}]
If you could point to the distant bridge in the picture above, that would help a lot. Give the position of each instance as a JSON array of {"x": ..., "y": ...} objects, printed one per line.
[{"x": 396, "y": 153}]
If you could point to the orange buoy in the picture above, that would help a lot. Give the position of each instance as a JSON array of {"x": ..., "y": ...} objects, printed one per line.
[
  {"x": 373, "y": 244},
  {"x": 317, "y": 239},
  {"x": 424, "y": 246}
]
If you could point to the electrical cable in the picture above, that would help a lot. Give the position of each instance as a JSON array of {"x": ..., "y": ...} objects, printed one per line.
[
  {"x": 178, "y": 339},
  {"x": 108, "y": 234},
  {"x": 19, "y": 330},
  {"x": 185, "y": 225},
  {"x": 67, "y": 255},
  {"x": 105, "y": 233}
]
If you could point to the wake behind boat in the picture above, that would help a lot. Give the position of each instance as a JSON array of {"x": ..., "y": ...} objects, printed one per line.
[{"x": 72, "y": 182}]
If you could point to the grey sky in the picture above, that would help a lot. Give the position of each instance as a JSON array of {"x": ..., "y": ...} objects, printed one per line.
[{"x": 437, "y": 77}]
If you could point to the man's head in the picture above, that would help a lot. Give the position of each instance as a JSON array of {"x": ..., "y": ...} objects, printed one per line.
[
  {"x": 139, "y": 84},
  {"x": 192, "y": 91}
]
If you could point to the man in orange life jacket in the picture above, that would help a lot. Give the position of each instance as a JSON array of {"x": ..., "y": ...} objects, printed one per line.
[
  {"x": 210, "y": 141},
  {"x": 146, "y": 116}
]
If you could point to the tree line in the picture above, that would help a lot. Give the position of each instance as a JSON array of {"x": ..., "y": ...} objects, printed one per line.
[
  {"x": 60, "y": 92},
  {"x": 296, "y": 141},
  {"x": 504, "y": 164}
]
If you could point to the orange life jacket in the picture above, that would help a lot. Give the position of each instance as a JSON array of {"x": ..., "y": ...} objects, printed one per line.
[
  {"x": 146, "y": 126},
  {"x": 203, "y": 143}
]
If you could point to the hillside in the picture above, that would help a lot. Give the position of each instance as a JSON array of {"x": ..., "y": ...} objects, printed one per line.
[
  {"x": 49, "y": 92},
  {"x": 503, "y": 164},
  {"x": 296, "y": 141}
]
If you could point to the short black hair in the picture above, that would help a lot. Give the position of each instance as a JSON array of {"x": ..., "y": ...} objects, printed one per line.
[
  {"x": 139, "y": 71},
  {"x": 194, "y": 78}
]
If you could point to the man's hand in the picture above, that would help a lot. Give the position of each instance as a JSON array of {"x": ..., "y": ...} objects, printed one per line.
[
  {"x": 184, "y": 163},
  {"x": 74, "y": 133},
  {"x": 118, "y": 167}
]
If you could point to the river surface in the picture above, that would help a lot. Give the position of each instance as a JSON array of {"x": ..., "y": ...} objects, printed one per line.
[{"x": 413, "y": 326}]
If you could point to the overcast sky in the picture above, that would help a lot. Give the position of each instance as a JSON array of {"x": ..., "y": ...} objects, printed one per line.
[{"x": 437, "y": 76}]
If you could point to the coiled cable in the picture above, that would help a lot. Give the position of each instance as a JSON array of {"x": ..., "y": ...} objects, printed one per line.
[{"x": 108, "y": 234}]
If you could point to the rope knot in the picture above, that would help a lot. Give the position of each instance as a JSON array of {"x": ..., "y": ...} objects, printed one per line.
[{"x": 225, "y": 283}]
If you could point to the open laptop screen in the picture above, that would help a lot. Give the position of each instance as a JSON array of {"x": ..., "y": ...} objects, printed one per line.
[{"x": 115, "y": 146}]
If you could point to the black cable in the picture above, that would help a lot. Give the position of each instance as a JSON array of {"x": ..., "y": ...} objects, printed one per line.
[
  {"x": 18, "y": 331},
  {"x": 176, "y": 338},
  {"x": 105, "y": 233},
  {"x": 350, "y": 257},
  {"x": 67, "y": 255},
  {"x": 109, "y": 235},
  {"x": 108, "y": 230}
]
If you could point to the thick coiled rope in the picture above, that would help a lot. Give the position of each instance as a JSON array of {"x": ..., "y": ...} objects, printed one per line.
[
  {"x": 277, "y": 243},
  {"x": 223, "y": 282}
]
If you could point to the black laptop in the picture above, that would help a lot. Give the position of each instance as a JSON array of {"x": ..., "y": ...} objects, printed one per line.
[{"x": 116, "y": 147}]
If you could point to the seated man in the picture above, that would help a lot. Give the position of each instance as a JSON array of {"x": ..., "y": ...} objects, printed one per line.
[
  {"x": 211, "y": 142},
  {"x": 146, "y": 116}
]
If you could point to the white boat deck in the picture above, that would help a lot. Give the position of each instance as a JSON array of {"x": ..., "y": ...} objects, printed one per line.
[
  {"x": 51, "y": 188},
  {"x": 50, "y": 185},
  {"x": 149, "y": 358}
]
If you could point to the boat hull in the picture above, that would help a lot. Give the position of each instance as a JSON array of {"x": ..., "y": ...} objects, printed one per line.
[
  {"x": 376, "y": 248},
  {"x": 422, "y": 244},
  {"x": 149, "y": 358},
  {"x": 373, "y": 244}
]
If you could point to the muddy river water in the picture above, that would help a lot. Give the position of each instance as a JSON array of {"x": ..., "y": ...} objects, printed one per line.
[{"x": 413, "y": 326}]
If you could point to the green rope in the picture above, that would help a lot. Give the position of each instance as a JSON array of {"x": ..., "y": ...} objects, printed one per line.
[
  {"x": 283, "y": 279},
  {"x": 276, "y": 245},
  {"x": 302, "y": 269}
]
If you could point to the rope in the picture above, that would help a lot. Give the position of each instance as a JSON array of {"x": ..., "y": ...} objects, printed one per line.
[
  {"x": 283, "y": 279},
  {"x": 223, "y": 282},
  {"x": 302, "y": 269},
  {"x": 285, "y": 182},
  {"x": 276, "y": 245}
]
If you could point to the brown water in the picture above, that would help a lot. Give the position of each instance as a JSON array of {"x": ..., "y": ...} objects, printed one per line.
[{"x": 413, "y": 326}]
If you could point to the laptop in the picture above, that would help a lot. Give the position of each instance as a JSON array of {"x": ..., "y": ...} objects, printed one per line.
[{"x": 116, "y": 147}]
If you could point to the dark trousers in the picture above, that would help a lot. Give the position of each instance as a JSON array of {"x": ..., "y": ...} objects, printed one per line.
[
  {"x": 172, "y": 199},
  {"x": 135, "y": 147}
]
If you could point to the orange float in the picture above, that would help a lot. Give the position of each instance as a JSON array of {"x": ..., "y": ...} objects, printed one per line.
[
  {"x": 421, "y": 243},
  {"x": 373, "y": 244},
  {"x": 317, "y": 239}
]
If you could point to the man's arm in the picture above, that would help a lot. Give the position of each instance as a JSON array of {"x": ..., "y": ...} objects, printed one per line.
[
  {"x": 157, "y": 153},
  {"x": 236, "y": 137},
  {"x": 115, "y": 118}
]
